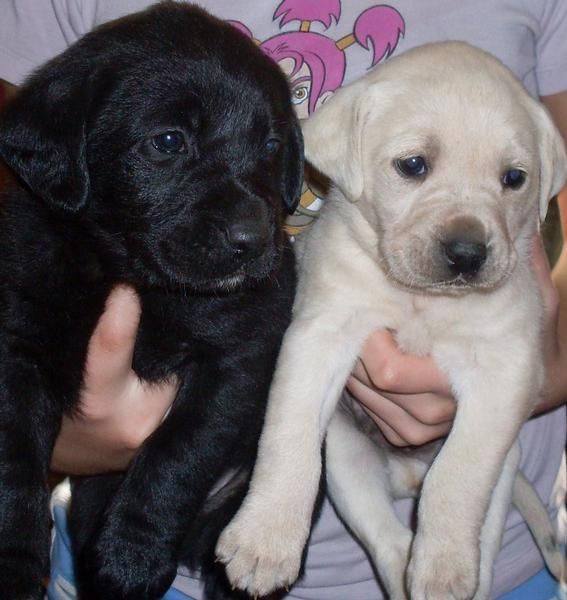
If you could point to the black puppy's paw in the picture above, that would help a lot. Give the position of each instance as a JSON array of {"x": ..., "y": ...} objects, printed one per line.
[{"x": 118, "y": 568}]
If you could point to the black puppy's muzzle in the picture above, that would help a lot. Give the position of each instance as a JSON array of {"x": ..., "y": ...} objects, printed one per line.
[
  {"x": 225, "y": 238},
  {"x": 248, "y": 238},
  {"x": 244, "y": 228}
]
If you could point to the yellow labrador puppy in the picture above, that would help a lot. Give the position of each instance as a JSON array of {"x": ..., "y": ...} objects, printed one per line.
[{"x": 442, "y": 168}]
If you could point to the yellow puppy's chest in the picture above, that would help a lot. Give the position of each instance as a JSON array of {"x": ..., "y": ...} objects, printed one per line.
[{"x": 426, "y": 322}]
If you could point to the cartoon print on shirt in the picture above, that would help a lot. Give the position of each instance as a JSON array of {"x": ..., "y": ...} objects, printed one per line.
[{"x": 316, "y": 64}]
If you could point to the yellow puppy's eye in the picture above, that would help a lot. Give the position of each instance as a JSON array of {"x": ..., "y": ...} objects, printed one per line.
[
  {"x": 414, "y": 166},
  {"x": 514, "y": 178}
]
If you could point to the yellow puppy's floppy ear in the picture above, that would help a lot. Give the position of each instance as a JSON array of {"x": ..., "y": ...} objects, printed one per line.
[
  {"x": 335, "y": 133},
  {"x": 553, "y": 159},
  {"x": 332, "y": 138}
]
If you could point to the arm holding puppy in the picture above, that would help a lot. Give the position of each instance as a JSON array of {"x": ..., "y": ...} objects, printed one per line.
[{"x": 119, "y": 411}]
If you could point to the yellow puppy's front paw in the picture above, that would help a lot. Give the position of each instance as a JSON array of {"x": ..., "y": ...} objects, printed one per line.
[
  {"x": 439, "y": 571},
  {"x": 260, "y": 553}
]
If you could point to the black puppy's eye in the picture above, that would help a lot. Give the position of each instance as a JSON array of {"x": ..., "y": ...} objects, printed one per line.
[
  {"x": 170, "y": 142},
  {"x": 272, "y": 146},
  {"x": 514, "y": 178},
  {"x": 414, "y": 166}
]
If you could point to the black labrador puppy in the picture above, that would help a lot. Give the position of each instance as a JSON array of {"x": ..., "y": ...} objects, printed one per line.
[{"x": 161, "y": 151}]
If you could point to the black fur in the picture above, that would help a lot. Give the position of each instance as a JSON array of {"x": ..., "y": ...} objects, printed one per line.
[{"x": 197, "y": 231}]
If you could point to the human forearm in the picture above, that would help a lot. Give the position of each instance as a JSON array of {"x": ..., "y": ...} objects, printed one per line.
[
  {"x": 557, "y": 106},
  {"x": 556, "y": 390},
  {"x": 7, "y": 89}
]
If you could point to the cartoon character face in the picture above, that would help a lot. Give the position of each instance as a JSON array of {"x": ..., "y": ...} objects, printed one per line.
[
  {"x": 314, "y": 62},
  {"x": 300, "y": 84}
]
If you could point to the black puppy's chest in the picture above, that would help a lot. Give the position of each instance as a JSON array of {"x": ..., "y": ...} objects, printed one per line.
[
  {"x": 168, "y": 342},
  {"x": 182, "y": 331}
]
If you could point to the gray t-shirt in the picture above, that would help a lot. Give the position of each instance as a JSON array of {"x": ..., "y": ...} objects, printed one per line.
[{"x": 529, "y": 36}]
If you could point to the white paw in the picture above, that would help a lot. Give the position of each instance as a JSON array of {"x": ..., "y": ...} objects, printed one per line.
[
  {"x": 262, "y": 553},
  {"x": 442, "y": 571}
]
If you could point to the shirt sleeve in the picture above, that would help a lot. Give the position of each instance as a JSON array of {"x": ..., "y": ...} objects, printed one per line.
[
  {"x": 32, "y": 32},
  {"x": 551, "y": 48}
]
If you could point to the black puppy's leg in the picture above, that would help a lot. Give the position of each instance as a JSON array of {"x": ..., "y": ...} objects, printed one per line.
[
  {"x": 198, "y": 550},
  {"x": 135, "y": 554},
  {"x": 89, "y": 499},
  {"x": 28, "y": 426}
]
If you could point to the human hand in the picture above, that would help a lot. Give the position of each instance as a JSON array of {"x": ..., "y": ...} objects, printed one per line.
[
  {"x": 117, "y": 410},
  {"x": 407, "y": 396},
  {"x": 410, "y": 400}
]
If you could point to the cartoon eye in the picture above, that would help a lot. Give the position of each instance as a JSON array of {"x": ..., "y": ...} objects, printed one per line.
[
  {"x": 299, "y": 94},
  {"x": 170, "y": 142},
  {"x": 414, "y": 166},
  {"x": 514, "y": 178},
  {"x": 272, "y": 146}
]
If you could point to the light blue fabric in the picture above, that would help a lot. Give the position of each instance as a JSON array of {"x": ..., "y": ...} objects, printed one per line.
[
  {"x": 542, "y": 586},
  {"x": 62, "y": 577},
  {"x": 61, "y": 580}
]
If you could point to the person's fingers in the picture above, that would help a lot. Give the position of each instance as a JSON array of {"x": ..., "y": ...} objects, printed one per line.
[
  {"x": 401, "y": 433},
  {"x": 433, "y": 418},
  {"x": 145, "y": 407},
  {"x": 386, "y": 367},
  {"x": 429, "y": 408},
  {"x": 101, "y": 439},
  {"x": 426, "y": 407},
  {"x": 109, "y": 358},
  {"x": 391, "y": 435}
]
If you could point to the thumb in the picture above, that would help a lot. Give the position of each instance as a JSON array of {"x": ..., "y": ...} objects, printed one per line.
[{"x": 111, "y": 348}]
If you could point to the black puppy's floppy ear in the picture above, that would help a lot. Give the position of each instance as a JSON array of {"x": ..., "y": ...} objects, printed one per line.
[
  {"x": 42, "y": 135},
  {"x": 292, "y": 174}
]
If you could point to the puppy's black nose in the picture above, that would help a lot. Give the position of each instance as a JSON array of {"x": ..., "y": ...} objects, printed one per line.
[
  {"x": 248, "y": 240},
  {"x": 465, "y": 257}
]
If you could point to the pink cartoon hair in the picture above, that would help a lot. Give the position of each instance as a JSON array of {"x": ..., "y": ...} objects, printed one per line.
[
  {"x": 382, "y": 26},
  {"x": 325, "y": 61},
  {"x": 309, "y": 11}
]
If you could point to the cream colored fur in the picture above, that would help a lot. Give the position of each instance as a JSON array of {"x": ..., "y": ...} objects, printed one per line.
[{"x": 372, "y": 261}]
